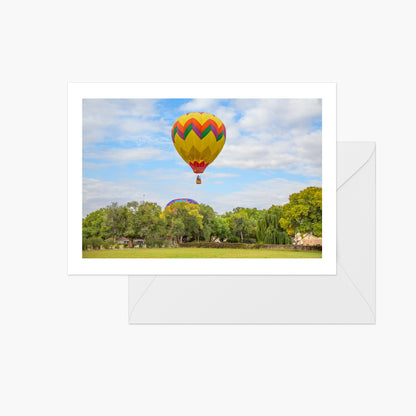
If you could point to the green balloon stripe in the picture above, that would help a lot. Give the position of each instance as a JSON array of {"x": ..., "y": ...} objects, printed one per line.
[
  {"x": 205, "y": 132},
  {"x": 196, "y": 130},
  {"x": 187, "y": 131}
]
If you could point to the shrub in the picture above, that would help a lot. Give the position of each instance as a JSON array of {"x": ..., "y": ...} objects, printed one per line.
[
  {"x": 211, "y": 244},
  {"x": 96, "y": 242},
  {"x": 159, "y": 243}
]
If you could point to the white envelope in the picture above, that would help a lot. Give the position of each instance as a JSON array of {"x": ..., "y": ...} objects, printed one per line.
[{"x": 347, "y": 297}]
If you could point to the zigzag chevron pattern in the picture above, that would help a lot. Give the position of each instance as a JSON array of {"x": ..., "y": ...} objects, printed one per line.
[
  {"x": 201, "y": 130},
  {"x": 198, "y": 138}
]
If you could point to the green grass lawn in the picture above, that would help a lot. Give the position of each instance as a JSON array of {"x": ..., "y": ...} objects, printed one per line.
[{"x": 193, "y": 252}]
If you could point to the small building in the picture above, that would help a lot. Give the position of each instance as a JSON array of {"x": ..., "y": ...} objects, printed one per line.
[
  {"x": 123, "y": 240},
  {"x": 137, "y": 242},
  {"x": 307, "y": 240}
]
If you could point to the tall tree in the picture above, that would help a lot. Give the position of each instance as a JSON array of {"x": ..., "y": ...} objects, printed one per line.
[
  {"x": 242, "y": 222},
  {"x": 92, "y": 223},
  {"x": 190, "y": 216},
  {"x": 303, "y": 213},
  {"x": 269, "y": 230},
  {"x": 208, "y": 216},
  {"x": 115, "y": 220},
  {"x": 178, "y": 229},
  {"x": 143, "y": 221},
  {"x": 220, "y": 228}
]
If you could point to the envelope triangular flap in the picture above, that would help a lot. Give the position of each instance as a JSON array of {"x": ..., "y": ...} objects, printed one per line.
[
  {"x": 353, "y": 159},
  {"x": 356, "y": 247}
]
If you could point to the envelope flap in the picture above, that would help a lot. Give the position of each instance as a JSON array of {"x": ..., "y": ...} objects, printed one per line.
[{"x": 353, "y": 158}]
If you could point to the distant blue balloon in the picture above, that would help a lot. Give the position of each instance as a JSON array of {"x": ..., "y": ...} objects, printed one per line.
[{"x": 189, "y": 201}]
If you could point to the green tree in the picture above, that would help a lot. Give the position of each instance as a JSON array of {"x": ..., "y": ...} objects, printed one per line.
[
  {"x": 269, "y": 230},
  {"x": 115, "y": 221},
  {"x": 143, "y": 221},
  {"x": 208, "y": 216},
  {"x": 220, "y": 228},
  {"x": 92, "y": 223},
  {"x": 190, "y": 216},
  {"x": 242, "y": 222},
  {"x": 303, "y": 213},
  {"x": 96, "y": 242},
  {"x": 178, "y": 229},
  {"x": 193, "y": 221}
]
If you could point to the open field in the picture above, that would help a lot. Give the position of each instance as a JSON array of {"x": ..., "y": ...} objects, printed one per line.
[{"x": 201, "y": 253}]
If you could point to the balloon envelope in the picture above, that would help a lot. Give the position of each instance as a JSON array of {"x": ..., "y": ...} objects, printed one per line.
[
  {"x": 189, "y": 201},
  {"x": 198, "y": 138}
]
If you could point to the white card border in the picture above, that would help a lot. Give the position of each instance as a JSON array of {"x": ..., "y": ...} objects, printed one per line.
[{"x": 80, "y": 266}]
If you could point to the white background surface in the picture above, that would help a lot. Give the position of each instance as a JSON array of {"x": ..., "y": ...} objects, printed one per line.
[{"x": 65, "y": 344}]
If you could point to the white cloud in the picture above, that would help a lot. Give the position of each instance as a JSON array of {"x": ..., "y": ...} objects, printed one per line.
[
  {"x": 270, "y": 134},
  {"x": 261, "y": 135},
  {"x": 178, "y": 176},
  {"x": 129, "y": 119},
  {"x": 97, "y": 194},
  {"x": 300, "y": 155},
  {"x": 200, "y": 104},
  {"x": 227, "y": 114},
  {"x": 264, "y": 113},
  {"x": 223, "y": 175},
  {"x": 95, "y": 165},
  {"x": 120, "y": 155},
  {"x": 262, "y": 194},
  {"x": 162, "y": 174},
  {"x": 100, "y": 193}
]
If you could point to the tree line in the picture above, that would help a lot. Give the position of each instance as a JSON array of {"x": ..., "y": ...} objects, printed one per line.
[{"x": 148, "y": 222}]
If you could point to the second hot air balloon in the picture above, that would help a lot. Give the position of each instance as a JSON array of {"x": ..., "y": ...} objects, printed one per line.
[
  {"x": 198, "y": 138},
  {"x": 187, "y": 200}
]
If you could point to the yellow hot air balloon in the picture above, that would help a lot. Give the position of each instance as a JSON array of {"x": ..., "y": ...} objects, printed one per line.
[{"x": 198, "y": 138}]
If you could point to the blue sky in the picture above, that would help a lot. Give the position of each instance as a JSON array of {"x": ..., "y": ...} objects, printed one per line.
[{"x": 273, "y": 148}]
